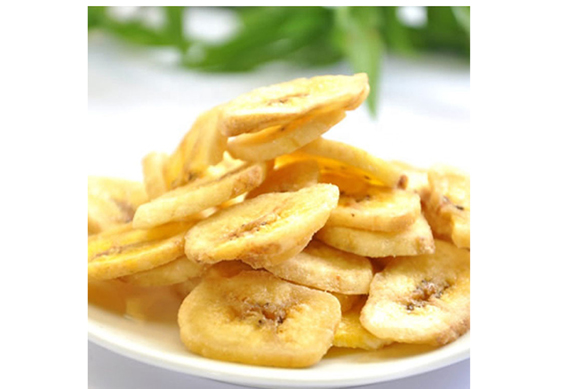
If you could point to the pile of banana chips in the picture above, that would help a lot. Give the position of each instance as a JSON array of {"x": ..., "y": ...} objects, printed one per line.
[{"x": 280, "y": 244}]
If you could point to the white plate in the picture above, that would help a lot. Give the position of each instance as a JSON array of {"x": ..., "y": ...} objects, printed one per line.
[{"x": 159, "y": 344}]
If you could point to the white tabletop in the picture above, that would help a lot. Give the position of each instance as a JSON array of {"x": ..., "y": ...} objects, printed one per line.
[{"x": 133, "y": 96}]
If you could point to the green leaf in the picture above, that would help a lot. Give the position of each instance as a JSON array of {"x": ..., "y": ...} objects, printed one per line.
[
  {"x": 95, "y": 16},
  {"x": 463, "y": 17},
  {"x": 174, "y": 27},
  {"x": 358, "y": 36},
  {"x": 396, "y": 34},
  {"x": 274, "y": 33}
]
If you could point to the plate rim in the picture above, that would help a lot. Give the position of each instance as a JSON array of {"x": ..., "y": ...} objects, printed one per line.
[{"x": 230, "y": 372}]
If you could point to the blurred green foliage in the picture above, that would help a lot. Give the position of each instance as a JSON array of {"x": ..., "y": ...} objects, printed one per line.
[{"x": 303, "y": 36}]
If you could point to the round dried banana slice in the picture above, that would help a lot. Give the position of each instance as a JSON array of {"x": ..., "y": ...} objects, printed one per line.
[
  {"x": 258, "y": 319},
  {"x": 264, "y": 230},
  {"x": 122, "y": 250},
  {"x": 423, "y": 299},
  {"x": 112, "y": 201},
  {"x": 174, "y": 272},
  {"x": 199, "y": 195},
  {"x": 202, "y": 146},
  {"x": 389, "y": 174},
  {"x": 351, "y": 334},
  {"x": 153, "y": 165},
  {"x": 414, "y": 240},
  {"x": 275, "y": 141},
  {"x": 447, "y": 204},
  {"x": 322, "y": 267},
  {"x": 280, "y": 104},
  {"x": 288, "y": 178},
  {"x": 376, "y": 209}
]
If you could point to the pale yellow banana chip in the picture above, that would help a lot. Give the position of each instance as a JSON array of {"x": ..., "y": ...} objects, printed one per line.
[
  {"x": 280, "y": 104},
  {"x": 112, "y": 201},
  {"x": 154, "y": 179},
  {"x": 423, "y": 299},
  {"x": 156, "y": 304},
  {"x": 264, "y": 230},
  {"x": 447, "y": 204},
  {"x": 417, "y": 177},
  {"x": 388, "y": 173},
  {"x": 200, "y": 195},
  {"x": 414, "y": 240},
  {"x": 152, "y": 304},
  {"x": 289, "y": 178},
  {"x": 322, "y": 267},
  {"x": 275, "y": 141},
  {"x": 174, "y": 272},
  {"x": 259, "y": 319},
  {"x": 185, "y": 287},
  {"x": 202, "y": 146},
  {"x": 351, "y": 334},
  {"x": 347, "y": 301},
  {"x": 122, "y": 250},
  {"x": 377, "y": 209}
]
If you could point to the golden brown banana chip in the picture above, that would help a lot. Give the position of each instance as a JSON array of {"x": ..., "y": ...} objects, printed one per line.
[
  {"x": 351, "y": 334},
  {"x": 288, "y": 178},
  {"x": 122, "y": 250},
  {"x": 259, "y": 319},
  {"x": 422, "y": 299},
  {"x": 447, "y": 204},
  {"x": 199, "y": 195},
  {"x": 112, "y": 201},
  {"x": 153, "y": 165},
  {"x": 376, "y": 209},
  {"x": 275, "y": 141},
  {"x": 414, "y": 240},
  {"x": 174, "y": 272},
  {"x": 264, "y": 230},
  {"x": 280, "y": 104},
  {"x": 322, "y": 267},
  {"x": 202, "y": 146},
  {"x": 388, "y": 173}
]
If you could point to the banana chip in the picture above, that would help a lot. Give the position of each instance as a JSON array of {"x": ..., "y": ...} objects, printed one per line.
[
  {"x": 200, "y": 195},
  {"x": 422, "y": 299},
  {"x": 416, "y": 239},
  {"x": 447, "y": 204},
  {"x": 122, "y": 250},
  {"x": 203, "y": 146},
  {"x": 322, "y": 267},
  {"x": 111, "y": 202},
  {"x": 289, "y": 178},
  {"x": 259, "y": 319},
  {"x": 376, "y": 209},
  {"x": 174, "y": 272},
  {"x": 280, "y": 104},
  {"x": 388, "y": 173},
  {"x": 275, "y": 141},
  {"x": 351, "y": 334},
  {"x": 153, "y": 165},
  {"x": 265, "y": 230}
]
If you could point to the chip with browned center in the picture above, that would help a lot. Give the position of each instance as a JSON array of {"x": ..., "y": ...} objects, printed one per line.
[{"x": 259, "y": 319}]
